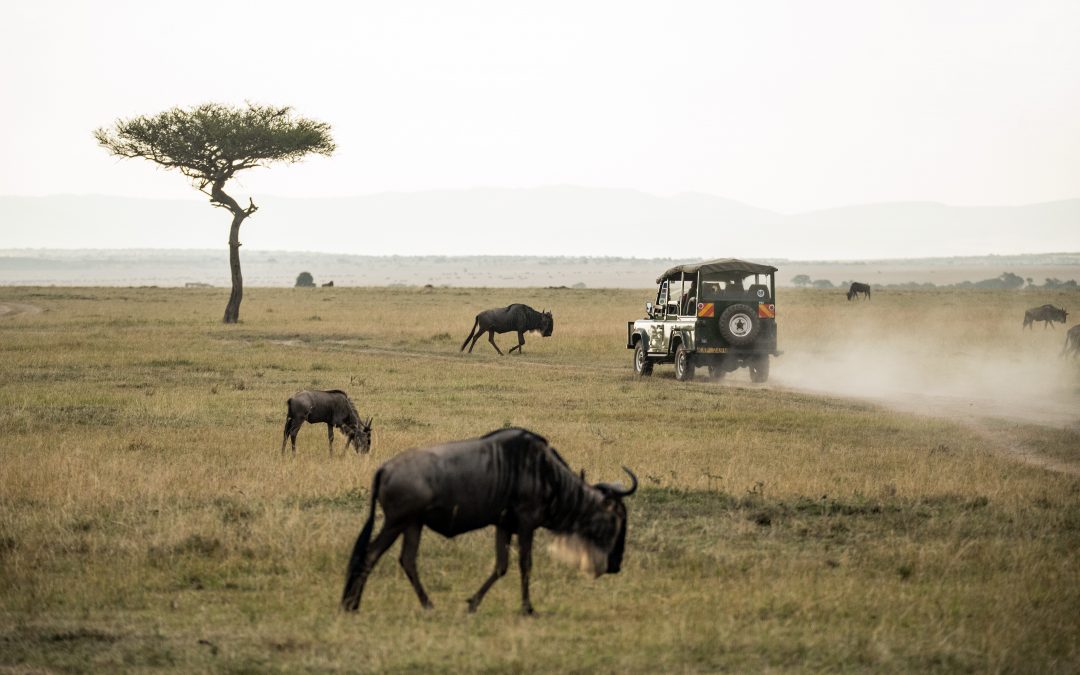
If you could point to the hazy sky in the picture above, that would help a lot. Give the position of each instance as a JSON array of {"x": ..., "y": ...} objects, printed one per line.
[{"x": 789, "y": 106}]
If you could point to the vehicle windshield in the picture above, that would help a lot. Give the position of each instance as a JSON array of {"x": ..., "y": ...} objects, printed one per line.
[{"x": 755, "y": 287}]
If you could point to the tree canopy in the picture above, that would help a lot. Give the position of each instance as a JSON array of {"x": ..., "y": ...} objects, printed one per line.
[{"x": 209, "y": 144}]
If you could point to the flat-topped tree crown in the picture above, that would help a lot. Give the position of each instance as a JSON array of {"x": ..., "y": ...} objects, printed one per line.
[{"x": 209, "y": 144}]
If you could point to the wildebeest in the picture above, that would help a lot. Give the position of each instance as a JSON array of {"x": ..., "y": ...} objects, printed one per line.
[
  {"x": 516, "y": 317},
  {"x": 1048, "y": 314},
  {"x": 511, "y": 479},
  {"x": 1072, "y": 341},
  {"x": 333, "y": 408},
  {"x": 856, "y": 288}
]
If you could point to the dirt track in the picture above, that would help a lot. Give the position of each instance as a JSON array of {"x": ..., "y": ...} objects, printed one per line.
[
  {"x": 984, "y": 416},
  {"x": 10, "y": 309}
]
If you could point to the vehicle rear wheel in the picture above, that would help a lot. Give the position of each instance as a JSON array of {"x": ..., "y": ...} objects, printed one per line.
[
  {"x": 684, "y": 365},
  {"x": 739, "y": 325},
  {"x": 642, "y": 365},
  {"x": 759, "y": 369}
]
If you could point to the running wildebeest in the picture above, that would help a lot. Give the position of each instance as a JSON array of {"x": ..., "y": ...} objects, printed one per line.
[
  {"x": 1048, "y": 314},
  {"x": 511, "y": 479},
  {"x": 333, "y": 408},
  {"x": 1072, "y": 341},
  {"x": 516, "y": 317},
  {"x": 856, "y": 288}
]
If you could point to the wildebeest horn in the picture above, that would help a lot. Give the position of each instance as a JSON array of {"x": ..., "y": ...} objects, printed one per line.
[{"x": 617, "y": 489}]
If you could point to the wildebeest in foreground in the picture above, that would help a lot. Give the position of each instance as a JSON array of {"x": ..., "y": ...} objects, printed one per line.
[
  {"x": 1048, "y": 314},
  {"x": 516, "y": 317},
  {"x": 511, "y": 479},
  {"x": 335, "y": 409},
  {"x": 1072, "y": 341},
  {"x": 856, "y": 288}
]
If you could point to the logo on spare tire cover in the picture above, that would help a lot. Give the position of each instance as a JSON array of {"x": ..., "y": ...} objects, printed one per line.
[{"x": 740, "y": 325}]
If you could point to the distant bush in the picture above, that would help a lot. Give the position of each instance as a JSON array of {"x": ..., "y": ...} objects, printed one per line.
[
  {"x": 1007, "y": 280},
  {"x": 305, "y": 280}
]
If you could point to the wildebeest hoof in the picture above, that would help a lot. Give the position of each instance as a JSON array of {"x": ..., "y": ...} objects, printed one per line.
[{"x": 473, "y": 605}]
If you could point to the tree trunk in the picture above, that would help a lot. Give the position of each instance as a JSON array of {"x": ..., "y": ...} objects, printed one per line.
[
  {"x": 232, "y": 310},
  {"x": 218, "y": 196}
]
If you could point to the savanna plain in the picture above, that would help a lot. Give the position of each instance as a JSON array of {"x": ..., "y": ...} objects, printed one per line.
[{"x": 148, "y": 520}]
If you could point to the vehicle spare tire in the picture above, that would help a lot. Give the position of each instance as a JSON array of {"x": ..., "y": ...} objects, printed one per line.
[{"x": 739, "y": 325}]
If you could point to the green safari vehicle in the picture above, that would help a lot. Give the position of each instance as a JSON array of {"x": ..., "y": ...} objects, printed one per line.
[{"x": 718, "y": 314}]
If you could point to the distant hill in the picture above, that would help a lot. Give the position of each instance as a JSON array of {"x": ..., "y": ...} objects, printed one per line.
[{"x": 561, "y": 220}]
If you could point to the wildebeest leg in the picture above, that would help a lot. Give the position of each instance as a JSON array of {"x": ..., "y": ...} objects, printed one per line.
[
  {"x": 521, "y": 341},
  {"x": 491, "y": 339},
  {"x": 502, "y": 562},
  {"x": 292, "y": 432},
  {"x": 330, "y": 437},
  {"x": 285, "y": 436},
  {"x": 354, "y": 588},
  {"x": 409, "y": 546},
  {"x": 525, "y": 542},
  {"x": 475, "y": 338}
]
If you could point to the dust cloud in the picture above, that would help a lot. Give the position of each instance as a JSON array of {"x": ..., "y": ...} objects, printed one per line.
[{"x": 931, "y": 368}]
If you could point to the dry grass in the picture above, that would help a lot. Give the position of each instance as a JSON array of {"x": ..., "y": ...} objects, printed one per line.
[{"x": 147, "y": 520}]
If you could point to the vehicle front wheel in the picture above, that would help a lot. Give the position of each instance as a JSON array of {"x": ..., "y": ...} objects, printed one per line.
[
  {"x": 759, "y": 369},
  {"x": 684, "y": 365},
  {"x": 642, "y": 365}
]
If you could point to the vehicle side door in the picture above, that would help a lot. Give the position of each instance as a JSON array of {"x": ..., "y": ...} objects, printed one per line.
[{"x": 657, "y": 334}]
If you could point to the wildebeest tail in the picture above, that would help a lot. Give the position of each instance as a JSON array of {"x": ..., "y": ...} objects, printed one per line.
[
  {"x": 350, "y": 595},
  {"x": 288, "y": 421},
  {"x": 475, "y": 324}
]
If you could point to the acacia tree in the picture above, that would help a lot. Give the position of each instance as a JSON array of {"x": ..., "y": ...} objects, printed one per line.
[{"x": 209, "y": 144}]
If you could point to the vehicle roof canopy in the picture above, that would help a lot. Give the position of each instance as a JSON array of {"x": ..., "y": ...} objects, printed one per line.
[{"x": 720, "y": 265}]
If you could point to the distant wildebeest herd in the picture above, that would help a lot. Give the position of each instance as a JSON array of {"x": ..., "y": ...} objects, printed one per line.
[{"x": 1048, "y": 314}]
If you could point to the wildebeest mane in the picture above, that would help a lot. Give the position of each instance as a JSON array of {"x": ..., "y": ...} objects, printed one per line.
[{"x": 525, "y": 431}]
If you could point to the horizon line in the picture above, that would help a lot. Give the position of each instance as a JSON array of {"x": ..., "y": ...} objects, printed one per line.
[{"x": 198, "y": 198}]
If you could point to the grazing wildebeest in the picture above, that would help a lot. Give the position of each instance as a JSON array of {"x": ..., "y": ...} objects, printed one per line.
[
  {"x": 1072, "y": 341},
  {"x": 856, "y": 288},
  {"x": 331, "y": 407},
  {"x": 511, "y": 479},
  {"x": 516, "y": 317},
  {"x": 328, "y": 284},
  {"x": 1048, "y": 314}
]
